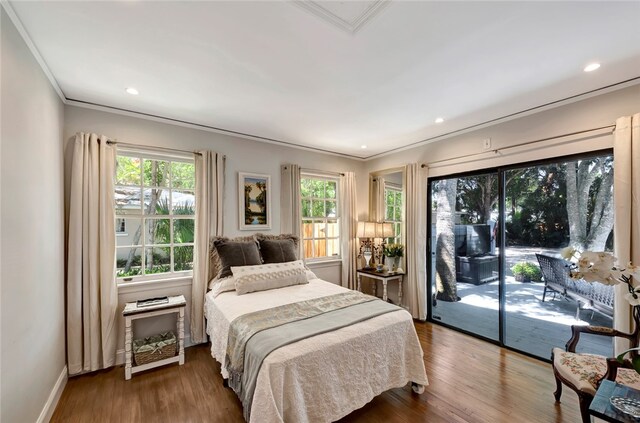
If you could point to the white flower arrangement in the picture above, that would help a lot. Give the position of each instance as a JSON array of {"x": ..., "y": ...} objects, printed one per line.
[{"x": 600, "y": 266}]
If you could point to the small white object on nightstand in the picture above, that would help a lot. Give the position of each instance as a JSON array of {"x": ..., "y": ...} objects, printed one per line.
[{"x": 131, "y": 312}]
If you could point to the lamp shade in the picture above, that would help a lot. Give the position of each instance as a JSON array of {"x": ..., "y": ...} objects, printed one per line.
[
  {"x": 384, "y": 230},
  {"x": 366, "y": 229}
]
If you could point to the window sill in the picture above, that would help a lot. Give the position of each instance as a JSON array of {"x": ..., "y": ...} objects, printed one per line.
[
  {"x": 323, "y": 262},
  {"x": 154, "y": 284}
]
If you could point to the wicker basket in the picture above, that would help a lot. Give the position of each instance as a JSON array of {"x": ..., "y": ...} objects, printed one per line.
[{"x": 154, "y": 348}]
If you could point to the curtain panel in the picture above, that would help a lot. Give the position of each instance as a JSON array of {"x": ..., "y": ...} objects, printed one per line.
[
  {"x": 290, "y": 209},
  {"x": 348, "y": 229},
  {"x": 92, "y": 297},
  {"x": 209, "y": 167},
  {"x": 377, "y": 205},
  {"x": 415, "y": 234},
  {"x": 626, "y": 195}
]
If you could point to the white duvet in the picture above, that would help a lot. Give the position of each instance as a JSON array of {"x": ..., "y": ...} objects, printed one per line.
[{"x": 325, "y": 377}]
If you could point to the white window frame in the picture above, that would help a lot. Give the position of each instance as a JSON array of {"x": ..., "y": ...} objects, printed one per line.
[
  {"x": 142, "y": 245},
  {"x": 305, "y": 175},
  {"x": 396, "y": 223}
]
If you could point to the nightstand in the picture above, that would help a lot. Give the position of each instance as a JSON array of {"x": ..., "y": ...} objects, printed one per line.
[
  {"x": 132, "y": 312},
  {"x": 385, "y": 277}
]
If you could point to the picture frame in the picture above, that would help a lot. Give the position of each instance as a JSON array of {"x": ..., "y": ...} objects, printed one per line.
[{"x": 254, "y": 201}]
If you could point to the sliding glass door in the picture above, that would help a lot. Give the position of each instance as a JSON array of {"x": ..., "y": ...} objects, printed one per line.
[
  {"x": 495, "y": 238},
  {"x": 464, "y": 257}
]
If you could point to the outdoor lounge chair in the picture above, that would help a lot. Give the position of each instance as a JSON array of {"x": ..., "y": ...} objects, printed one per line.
[
  {"x": 584, "y": 372},
  {"x": 595, "y": 296}
]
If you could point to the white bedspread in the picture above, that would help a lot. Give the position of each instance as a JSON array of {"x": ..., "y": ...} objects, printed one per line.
[{"x": 325, "y": 377}]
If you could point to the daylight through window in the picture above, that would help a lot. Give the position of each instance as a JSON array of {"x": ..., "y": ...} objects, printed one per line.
[
  {"x": 320, "y": 217},
  {"x": 393, "y": 211},
  {"x": 155, "y": 215}
]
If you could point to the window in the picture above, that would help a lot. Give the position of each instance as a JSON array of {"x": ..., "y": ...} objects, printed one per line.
[
  {"x": 320, "y": 217},
  {"x": 393, "y": 211},
  {"x": 121, "y": 227},
  {"x": 155, "y": 203}
]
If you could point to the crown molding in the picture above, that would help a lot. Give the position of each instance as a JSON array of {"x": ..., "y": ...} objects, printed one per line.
[
  {"x": 202, "y": 127},
  {"x": 536, "y": 109},
  {"x": 32, "y": 47},
  {"x": 316, "y": 8}
]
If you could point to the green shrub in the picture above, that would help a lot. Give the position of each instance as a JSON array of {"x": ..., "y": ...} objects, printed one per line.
[{"x": 528, "y": 270}]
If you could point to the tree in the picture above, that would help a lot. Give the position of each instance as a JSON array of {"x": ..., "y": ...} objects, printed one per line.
[
  {"x": 538, "y": 207},
  {"x": 589, "y": 202},
  {"x": 446, "y": 283}
]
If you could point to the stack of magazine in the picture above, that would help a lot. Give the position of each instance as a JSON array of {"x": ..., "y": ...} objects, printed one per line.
[{"x": 152, "y": 301}]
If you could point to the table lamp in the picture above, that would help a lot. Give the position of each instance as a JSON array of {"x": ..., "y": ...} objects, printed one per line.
[{"x": 367, "y": 233}]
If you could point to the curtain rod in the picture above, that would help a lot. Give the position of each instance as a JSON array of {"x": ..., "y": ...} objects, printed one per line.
[
  {"x": 321, "y": 172},
  {"x": 497, "y": 150},
  {"x": 143, "y": 147}
]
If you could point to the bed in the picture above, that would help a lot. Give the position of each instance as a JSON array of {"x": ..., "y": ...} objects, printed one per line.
[{"x": 324, "y": 377}]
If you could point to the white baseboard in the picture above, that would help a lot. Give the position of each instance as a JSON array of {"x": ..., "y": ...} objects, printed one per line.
[
  {"x": 54, "y": 397},
  {"x": 120, "y": 353}
]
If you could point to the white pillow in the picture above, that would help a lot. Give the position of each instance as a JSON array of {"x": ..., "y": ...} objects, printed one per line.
[
  {"x": 220, "y": 285},
  {"x": 268, "y": 276}
]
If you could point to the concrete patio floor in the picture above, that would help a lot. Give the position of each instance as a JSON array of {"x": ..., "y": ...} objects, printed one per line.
[{"x": 531, "y": 325}]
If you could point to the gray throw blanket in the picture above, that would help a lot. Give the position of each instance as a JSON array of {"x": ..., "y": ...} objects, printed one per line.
[{"x": 288, "y": 324}]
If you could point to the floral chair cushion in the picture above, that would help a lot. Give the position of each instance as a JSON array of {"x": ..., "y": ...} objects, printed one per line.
[{"x": 584, "y": 370}]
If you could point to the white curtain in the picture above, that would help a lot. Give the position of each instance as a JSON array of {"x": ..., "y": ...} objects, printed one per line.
[
  {"x": 92, "y": 297},
  {"x": 290, "y": 212},
  {"x": 377, "y": 205},
  {"x": 348, "y": 229},
  {"x": 416, "y": 237},
  {"x": 209, "y": 198},
  {"x": 626, "y": 194}
]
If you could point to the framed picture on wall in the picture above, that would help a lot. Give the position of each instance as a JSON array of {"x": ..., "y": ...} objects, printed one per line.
[{"x": 254, "y": 205}]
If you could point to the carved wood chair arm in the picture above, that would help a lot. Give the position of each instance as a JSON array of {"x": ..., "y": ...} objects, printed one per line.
[
  {"x": 576, "y": 330},
  {"x": 612, "y": 368}
]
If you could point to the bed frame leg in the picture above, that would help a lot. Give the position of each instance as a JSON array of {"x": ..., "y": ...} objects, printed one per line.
[
  {"x": 225, "y": 383},
  {"x": 417, "y": 388}
]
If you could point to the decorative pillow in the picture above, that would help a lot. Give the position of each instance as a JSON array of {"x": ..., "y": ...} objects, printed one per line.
[
  {"x": 218, "y": 286},
  {"x": 279, "y": 250},
  {"x": 215, "y": 264},
  {"x": 269, "y": 276},
  {"x": 236, "y": 253}
]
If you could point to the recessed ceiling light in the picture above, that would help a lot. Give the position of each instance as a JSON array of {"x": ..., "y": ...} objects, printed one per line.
[
  {"x": 132, "y": 91},
  {"x": 363, "y": 146},
  {"x": 591, "y": 67},
  {"x": 439, "y": 120}
]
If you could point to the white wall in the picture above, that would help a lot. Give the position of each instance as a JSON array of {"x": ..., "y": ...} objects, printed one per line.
[
  {"x": 589, "y": 113},
  {"x": 243, "y": 155},
  {"x": 32, "y": 262}
]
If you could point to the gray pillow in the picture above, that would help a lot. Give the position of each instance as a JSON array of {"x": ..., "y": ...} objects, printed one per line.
[
  {"x": 278, "y": 250},
  {"x": 236, "y": 253}
]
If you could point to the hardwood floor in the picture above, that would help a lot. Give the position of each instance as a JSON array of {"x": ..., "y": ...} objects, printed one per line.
[{"x": 470, "y": 381}]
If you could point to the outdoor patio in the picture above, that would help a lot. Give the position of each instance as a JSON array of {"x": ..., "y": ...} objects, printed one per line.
[{"x": 531, "y": 325}]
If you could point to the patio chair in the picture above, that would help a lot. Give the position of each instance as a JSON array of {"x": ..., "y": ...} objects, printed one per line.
[
  {"x": 584, "y": 372},
  {"x": 596, "y": 297}
]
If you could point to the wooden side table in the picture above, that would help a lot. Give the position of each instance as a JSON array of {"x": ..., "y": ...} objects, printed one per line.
[
  {"x": 601, "y": 404},
  {"x": 132, "y": 312},
  {"x": 385, "y": 277}
]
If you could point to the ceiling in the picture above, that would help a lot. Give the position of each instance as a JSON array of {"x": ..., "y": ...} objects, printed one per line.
[{"x": 333, "y": 76}]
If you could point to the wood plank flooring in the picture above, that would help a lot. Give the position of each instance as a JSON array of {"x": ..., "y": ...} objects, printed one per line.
[{"x": 470, "y": 381}]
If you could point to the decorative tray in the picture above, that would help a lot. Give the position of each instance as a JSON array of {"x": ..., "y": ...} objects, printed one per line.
[{"x": 628, "y": 406}]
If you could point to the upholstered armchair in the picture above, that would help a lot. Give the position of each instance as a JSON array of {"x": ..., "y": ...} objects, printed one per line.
[{"x": 584, "y": 372}]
